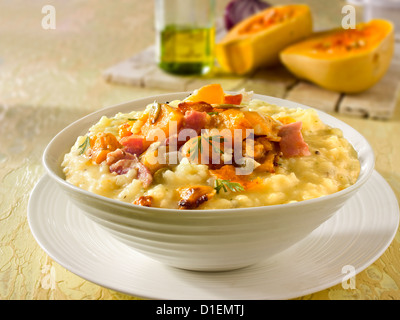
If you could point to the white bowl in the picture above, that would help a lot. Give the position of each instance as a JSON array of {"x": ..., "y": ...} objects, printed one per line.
[{"x": 206, "y": 240}]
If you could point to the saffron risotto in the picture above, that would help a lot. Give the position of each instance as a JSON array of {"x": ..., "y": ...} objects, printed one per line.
[{"x": 331, "y": 164}]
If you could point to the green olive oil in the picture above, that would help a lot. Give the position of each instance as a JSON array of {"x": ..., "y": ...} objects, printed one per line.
[{"x": 186, "y": 50}]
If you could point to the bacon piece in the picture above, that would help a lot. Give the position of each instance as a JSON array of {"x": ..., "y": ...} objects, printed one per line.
[
  {"x": 122, "y": 166},
  {"x": 195, "y": 120},
  {"x": 192, "y": 197},
  {"x": 133, "y": 144},
  {"x": 195, "y": 106},
  {"x": 121, "y": 162},
  {"x": 292, "y": 143},
  {"x": 144, "y": 174},
  {"x": 117, "y": 155}
]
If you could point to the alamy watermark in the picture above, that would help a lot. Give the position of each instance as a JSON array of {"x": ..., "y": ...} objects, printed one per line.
[
  {"x": 349, "y": 280},
  {"x": 349, "y": 20},
  {"x": 212, "y": 146},
  {"x": 49, "y": 20}
]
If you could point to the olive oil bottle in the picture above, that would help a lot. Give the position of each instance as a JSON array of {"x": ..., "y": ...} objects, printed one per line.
[
  {"x": 186, "y": 50},
  {"x": 185, "y": 36}
]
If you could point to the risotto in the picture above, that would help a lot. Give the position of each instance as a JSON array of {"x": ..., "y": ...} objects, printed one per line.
[{"x": 212, "y": 151}]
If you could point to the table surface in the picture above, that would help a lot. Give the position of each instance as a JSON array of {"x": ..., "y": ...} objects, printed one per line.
[{"x": 49, "y": 78}]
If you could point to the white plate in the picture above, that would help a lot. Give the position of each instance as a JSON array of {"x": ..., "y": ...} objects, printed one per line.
[{"x": 356, "y": 236}]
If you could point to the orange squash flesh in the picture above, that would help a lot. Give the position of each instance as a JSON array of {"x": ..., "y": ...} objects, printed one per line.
[
  {"x": 342, "y": 41},
  {"x": 344, "y": 60},
  {"x": 102, "y": 144},
  {"x": 228, "y": 172},
  {"x": 211, "y": 93},
  {"x": 256, "y": 41},
  {"x": 269, "y": 18},
  {"x": 214, "y": 94}
]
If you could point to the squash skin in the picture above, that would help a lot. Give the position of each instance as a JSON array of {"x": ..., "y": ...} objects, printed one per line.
[
  {"x": 242, "y": 53},
  {"x": 346, "y": 73}
]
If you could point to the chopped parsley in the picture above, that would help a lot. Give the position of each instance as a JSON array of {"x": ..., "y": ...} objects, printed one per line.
[
  {"x": 84, "y": 146},
  {"x": 226, "y": 184}
]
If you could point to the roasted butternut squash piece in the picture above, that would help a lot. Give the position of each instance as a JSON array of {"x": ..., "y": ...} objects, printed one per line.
[
  {"x": 157, "y": 124},
  {"x": 234, "y": 119},
  {"x": 228, "y": 173},
  {"x": 211, "y": 93},
  {"x": 268, "y": 163},
  {"x": 101, "y": 144},
  {"x": 214, "y": 94},
  {"x": 124, "y": 130},
  {"x": 263, "y": 125},
  {"x": 192, "y": 197},
  {"x": 152, "y": 159},
  {"x": 144, "y": 201}
]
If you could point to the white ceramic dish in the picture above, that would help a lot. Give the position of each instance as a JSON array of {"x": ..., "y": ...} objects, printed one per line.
[
  {"x": 211, "y": 240},
  {"x": 350, "y": 241}
]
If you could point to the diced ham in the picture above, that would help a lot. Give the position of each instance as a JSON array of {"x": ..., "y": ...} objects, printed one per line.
[
  {"x": 122, "y": 166},
  {"x": 133, "y": 144},
  {"x": 195, "y": 120},
  {"x": 121, "y": 162},
  {"x": 117, "y": 155},
  {"x": 144, "y": 174},
  {"x": 292, "y": 143},
  {"x": 195, "y": 106}
]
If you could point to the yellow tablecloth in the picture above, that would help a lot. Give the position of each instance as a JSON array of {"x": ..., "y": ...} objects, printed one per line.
[{"x": 48, "y": 78}]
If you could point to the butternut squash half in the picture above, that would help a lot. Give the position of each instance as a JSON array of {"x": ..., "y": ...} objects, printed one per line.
[
  {"x": 344, "y": 60},
  {"x": 257, "y": 41}
]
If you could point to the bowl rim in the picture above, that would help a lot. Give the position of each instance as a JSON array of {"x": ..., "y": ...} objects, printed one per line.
[{"x": 194, "y": 212}]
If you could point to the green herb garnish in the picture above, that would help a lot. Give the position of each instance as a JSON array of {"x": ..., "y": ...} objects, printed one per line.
[
  {"x": 194, "y": 151},
  {"x": 212, "y": 113},
  {"x": 155, "y": 112},
  {"x": 84, "y": 146},
  {"x": 132, "y": 119},
  {"x": 226, "y": 184},
  {"x": 227, "y": 106}
]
